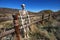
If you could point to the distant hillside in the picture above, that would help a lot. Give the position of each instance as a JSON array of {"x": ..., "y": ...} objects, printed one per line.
[
  {"x": 4, "y": 11},
  {"x": 7, "y": 12}
]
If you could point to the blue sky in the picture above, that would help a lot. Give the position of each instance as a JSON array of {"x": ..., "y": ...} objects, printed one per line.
[{"x": 32, "y": 5}]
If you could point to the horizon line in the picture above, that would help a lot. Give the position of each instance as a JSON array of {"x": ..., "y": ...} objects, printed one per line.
[{"x": 32, "y": 11}]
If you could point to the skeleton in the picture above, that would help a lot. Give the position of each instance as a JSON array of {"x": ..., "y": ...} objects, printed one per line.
[{"x": 25, "y": 19}]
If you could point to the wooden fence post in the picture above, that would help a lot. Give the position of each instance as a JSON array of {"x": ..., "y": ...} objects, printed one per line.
[
  {"x": 16, "y": 26},
  {"x": 42, "y": 18}
]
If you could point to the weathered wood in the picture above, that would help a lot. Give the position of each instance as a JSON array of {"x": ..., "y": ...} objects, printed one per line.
[
  {"x": 6, "y": 33},
  {"x": 16, "y": 26}
]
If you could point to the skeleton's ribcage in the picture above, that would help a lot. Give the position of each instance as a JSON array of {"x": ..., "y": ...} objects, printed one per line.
[{"x": 25, "y": 20}]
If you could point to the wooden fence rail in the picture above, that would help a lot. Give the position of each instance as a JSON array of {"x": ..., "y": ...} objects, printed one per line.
[{"x": 17, "y": 30}]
